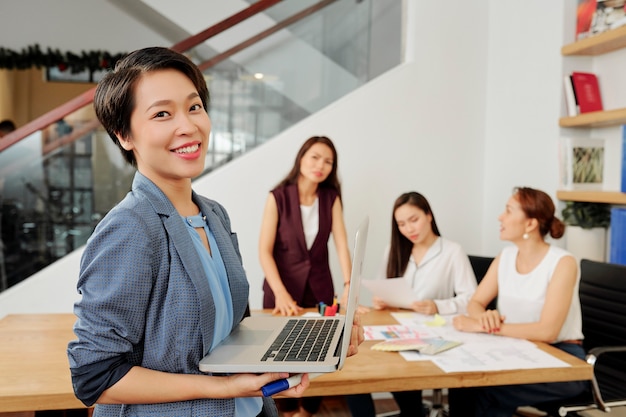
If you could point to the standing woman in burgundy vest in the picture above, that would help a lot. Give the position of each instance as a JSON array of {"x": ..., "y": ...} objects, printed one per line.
[{"x": 300, "y": 214}]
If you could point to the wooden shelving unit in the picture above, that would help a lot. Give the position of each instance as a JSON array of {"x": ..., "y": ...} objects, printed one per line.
[
  {"x": 595, "y": 119},
  {"x": 597, "y": 45},
  {"x": 608, "y": 197}
]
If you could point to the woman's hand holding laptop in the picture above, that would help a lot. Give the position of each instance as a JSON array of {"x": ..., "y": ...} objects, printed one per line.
[
  {"x": 294, "y": 385},
  {"x": 357, "y": 336}
]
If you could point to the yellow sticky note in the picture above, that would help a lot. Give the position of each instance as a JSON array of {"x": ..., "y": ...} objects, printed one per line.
[{"x": 438, "y": 321}]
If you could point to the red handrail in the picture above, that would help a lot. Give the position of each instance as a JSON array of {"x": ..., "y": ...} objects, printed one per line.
[
  {"x": 47, "y": 119},
  {"x": 227, "y": 23},
  {"x": 243, "y": 45},
  {"x": 87, "y": 97}
]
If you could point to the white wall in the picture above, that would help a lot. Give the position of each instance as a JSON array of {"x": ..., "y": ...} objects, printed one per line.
[
  {"x": 386, "y": 145},
  {"x": 523, "y": 104},
  {"x": 72, "y": 25},
  {"x": 474, "y": 114}
]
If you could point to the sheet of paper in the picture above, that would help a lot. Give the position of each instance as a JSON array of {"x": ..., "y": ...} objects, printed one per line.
[
  {"x": 479, "y": 351},
  {"x": 413, "y": 355},
  {"x": 411, "y": 318},
  {"x": 396, "y": 292},
  {"x": 486, "y": 357}
]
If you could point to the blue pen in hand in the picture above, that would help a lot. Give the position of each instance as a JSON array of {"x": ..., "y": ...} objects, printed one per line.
[{"x": 277, "y": 386}]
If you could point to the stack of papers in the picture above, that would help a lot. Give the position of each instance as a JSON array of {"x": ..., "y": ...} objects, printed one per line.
[
  {"x": 430, "y": 346},
  {"x": 472, "y": 351}
]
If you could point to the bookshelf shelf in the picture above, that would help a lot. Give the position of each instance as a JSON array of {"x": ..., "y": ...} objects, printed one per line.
[
  {"x": 595, "y": 119},
  {"x": 602, "y": 43},
  {"x": 597, "y": 45},
  {"x": 608, "y": 197}
]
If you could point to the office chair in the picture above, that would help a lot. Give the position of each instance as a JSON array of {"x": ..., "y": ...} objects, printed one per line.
[
  {"x": 603, "y": 302},
  {"x": 480, "y": 265}
]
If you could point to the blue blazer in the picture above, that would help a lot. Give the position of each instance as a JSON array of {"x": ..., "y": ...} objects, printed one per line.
[{"x": 146, "y": 300}]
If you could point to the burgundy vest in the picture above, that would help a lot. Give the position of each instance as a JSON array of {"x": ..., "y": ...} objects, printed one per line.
[{"x": 297, "y": 266}]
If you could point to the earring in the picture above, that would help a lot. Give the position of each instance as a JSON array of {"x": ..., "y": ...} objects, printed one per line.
[{"x": 525, "y": 236}]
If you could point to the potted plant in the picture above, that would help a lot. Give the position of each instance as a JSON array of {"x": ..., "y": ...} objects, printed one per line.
[{"x": 586, "y": 232}]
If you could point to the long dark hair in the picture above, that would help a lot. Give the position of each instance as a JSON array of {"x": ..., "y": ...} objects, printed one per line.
[
  {"x": 400, "y": 248},
  {"x": 332, "y": 181}
]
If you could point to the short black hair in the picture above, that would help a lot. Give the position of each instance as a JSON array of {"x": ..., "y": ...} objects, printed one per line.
[{"x": 114, "y": 99}]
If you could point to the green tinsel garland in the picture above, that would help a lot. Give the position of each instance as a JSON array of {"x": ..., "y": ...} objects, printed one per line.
[{"x": 33, "y": 57}]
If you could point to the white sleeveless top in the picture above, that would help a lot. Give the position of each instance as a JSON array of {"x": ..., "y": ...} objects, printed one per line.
[{"x": 521, "y": 296}]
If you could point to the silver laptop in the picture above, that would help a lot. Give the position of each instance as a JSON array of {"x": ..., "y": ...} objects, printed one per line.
[{"x": 265, "y": 343}]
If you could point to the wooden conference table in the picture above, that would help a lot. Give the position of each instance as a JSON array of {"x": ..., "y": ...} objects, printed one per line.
[{"x": 34, "y": 373}]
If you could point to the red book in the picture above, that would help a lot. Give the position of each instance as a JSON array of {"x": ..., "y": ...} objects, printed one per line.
[{"x": 587, "y": 91}]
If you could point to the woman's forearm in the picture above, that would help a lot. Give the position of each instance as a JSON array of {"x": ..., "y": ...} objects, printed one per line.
[{"x": 146, "y": 386}]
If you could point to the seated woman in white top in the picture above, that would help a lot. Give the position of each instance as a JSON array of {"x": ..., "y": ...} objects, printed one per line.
[
  {"x": 536, "y": 285},
  {"x": 437, "y": 269}
]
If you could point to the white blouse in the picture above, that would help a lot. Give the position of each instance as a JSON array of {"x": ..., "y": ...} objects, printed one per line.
[{"x": 444, "y": 275}]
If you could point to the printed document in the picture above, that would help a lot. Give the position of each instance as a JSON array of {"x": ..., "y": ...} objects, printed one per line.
[{"x": 396, "y": 292}]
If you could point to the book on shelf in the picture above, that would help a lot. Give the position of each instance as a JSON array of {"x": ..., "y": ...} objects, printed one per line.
[
  {"x": 584, "y": 16},
  {"x": 427, "y": 346},
  {"x": 617, "y": 246},
  {"x": 617, "y": 234},
  {"x": 609, "y": 14},
  {"x": 571, "y": 103},
  {"x": 597, "y": 16},
  {"x": 623, "y": 160},
  {"x": 587, "y": 91},
  {"x": 581, "y": 163}
]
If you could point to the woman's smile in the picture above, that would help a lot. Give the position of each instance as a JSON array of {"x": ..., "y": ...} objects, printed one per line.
[{"x": 188, "y": 151}]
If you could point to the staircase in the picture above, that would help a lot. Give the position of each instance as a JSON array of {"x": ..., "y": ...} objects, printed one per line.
[{"x": 287, "y": 60}]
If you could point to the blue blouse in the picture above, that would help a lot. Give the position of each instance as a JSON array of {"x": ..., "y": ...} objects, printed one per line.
[{"x": 218, "y": 282}]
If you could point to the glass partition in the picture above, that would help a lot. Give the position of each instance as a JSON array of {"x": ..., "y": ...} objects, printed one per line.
[{"x": 60, "y": 181}]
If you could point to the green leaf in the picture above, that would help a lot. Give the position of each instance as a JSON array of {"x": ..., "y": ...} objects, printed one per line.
[{"x": 586, "y": 215}]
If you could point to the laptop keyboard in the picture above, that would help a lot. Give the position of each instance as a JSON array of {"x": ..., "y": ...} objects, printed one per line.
[{"x": 303, "y": 340}]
